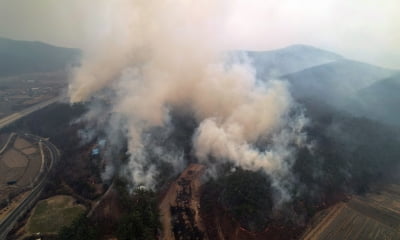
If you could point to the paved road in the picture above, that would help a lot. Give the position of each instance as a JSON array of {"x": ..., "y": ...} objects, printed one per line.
[
  {"x": 10, "y": 138},
  {"x": 18, "y": 115},
  {"x": 8, "y": 223}
]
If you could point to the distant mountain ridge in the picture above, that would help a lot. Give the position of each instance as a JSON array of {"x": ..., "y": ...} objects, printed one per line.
[
  {"x": 314, "y": 74},
  {"x": 335, "y": 81},
  {"x": 294, "y": 58},
  {"x": 380, "y": 101},
  {"x": 321, "y": 76},
  {"x": 20, "y": 57}
]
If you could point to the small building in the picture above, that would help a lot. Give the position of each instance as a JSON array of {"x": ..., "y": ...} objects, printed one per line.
[{"x": 95, "y": 151}]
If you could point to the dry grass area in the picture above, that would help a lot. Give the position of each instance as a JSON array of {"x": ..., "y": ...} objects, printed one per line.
[
  {"x": 374, "y": 216},
  {"x": 51, "y": 214}
]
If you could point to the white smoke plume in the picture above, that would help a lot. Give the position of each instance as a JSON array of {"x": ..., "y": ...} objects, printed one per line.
[{"x": 157, "y": 56}]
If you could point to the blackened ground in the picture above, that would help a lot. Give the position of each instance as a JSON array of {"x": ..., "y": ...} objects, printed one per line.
[
  {"x": 221, "y": 224},
  {"x": 349, "y": 155},
  {"x": 183, "y": 216}
]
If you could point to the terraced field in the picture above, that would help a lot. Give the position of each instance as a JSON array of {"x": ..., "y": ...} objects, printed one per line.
[
  {"x": 374, "y": 216},
  {"x": 20, "y": 164}
]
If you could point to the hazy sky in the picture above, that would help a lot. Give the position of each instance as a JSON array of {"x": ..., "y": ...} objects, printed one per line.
[{"x": 366, "y": 30}]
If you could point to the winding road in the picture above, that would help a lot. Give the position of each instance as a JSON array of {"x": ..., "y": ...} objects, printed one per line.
[{"x": 9, "y": 221}]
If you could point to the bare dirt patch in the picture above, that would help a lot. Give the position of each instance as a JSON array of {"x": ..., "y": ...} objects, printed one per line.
[
  {"x": 180, "y": 206},
  {"x": 31, "y": 171},
  {"x": 29, "y": 151},
  {"x": 374, "y": 216},
  {"x": 14, "y": 159},
  {"x": 12, "y": 174},
  {"x": 18, "y": 168},
  {"x": 324, "y": 219},
  {"x": 21, "y": 143}
]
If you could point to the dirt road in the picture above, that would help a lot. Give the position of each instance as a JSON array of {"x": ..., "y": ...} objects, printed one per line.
[{"x": 182, "y": 202}]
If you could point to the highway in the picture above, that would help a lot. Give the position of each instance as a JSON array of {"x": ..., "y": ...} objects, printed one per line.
[
  {"x": 9, "y": 221},
  {"x": 18, "y": 115}
]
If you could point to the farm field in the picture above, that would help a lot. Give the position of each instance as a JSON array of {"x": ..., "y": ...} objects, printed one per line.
[
  {"x": 373, "y": 216},
  {"x": 20, "y": 164}
]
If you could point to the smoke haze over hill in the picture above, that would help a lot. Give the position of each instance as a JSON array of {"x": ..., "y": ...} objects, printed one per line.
[
  {"x": 174, "y": 116},
  {"x": 154, "y": 67}
]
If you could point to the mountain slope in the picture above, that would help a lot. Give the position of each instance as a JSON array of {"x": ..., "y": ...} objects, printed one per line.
[
  {"x": 379, "y": 101},
  {"x": 335, "y": 82},
  {"x": 18, "y": 57},
  {"x": 289, "y": 60}
]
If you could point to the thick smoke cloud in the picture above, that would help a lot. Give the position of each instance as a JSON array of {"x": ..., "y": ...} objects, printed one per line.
[{"x": 163, "y": 56}]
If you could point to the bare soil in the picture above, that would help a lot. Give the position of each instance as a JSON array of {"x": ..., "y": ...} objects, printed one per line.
[
  {"x": 29, "y": 151},
  {"x": 31, "y": 171},
  {"x": 373, "y": 216},
  {"x": 182, "y": 201},
  {"x": 14, "y": 159},
  {"x": 21, "y": 143},
  {"x": 18, "y": 167}
]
